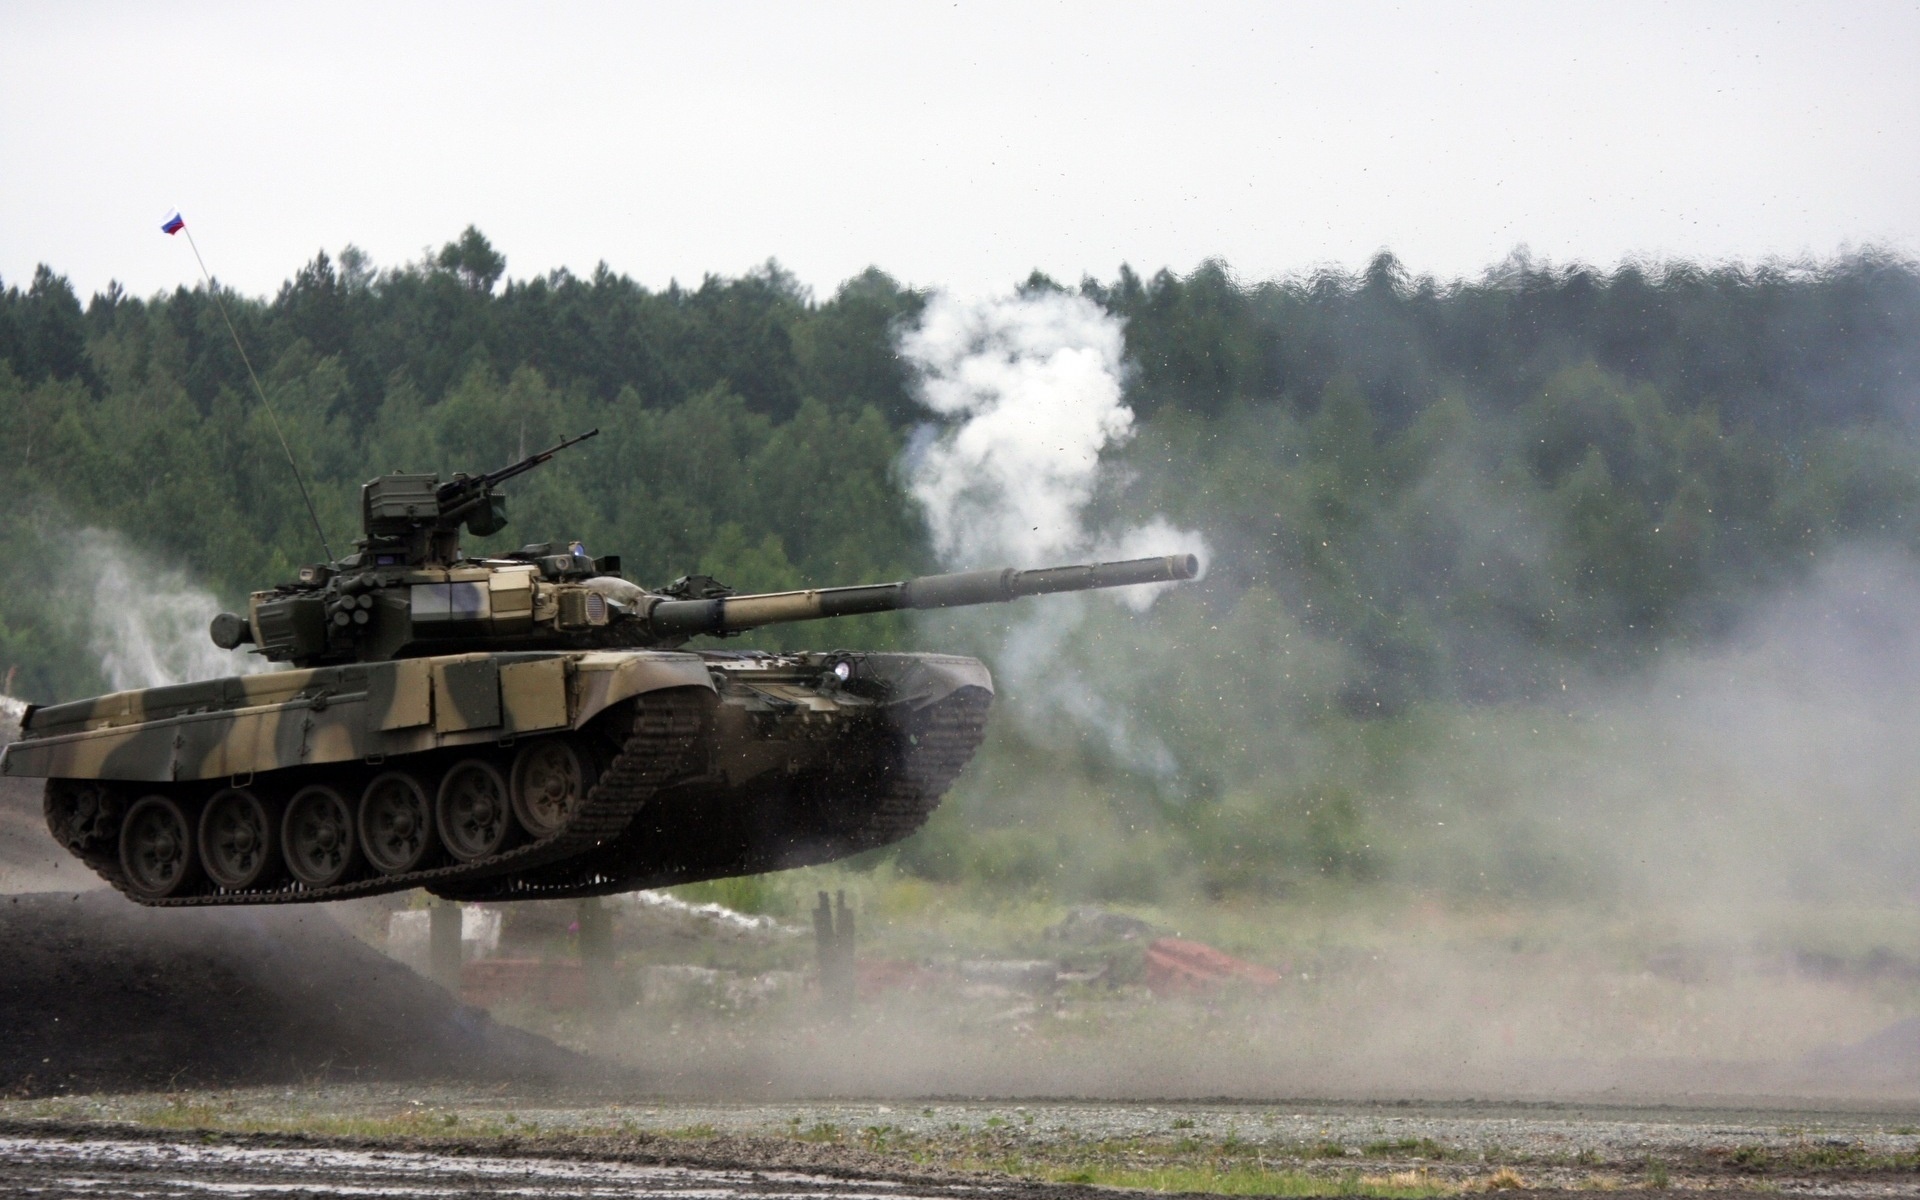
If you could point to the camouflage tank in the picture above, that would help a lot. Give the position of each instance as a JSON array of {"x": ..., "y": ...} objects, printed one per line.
[{"x": 519, "y": 727}]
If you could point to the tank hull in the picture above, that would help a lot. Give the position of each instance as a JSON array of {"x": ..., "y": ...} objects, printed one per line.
[{"x": 501, "y": 776}]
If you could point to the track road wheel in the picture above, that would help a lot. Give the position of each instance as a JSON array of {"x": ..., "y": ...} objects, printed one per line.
[
  {"x": 396, "y": 823},
  {"x": 84, "y": 815},
  {"x": 156, "y": 849},
  {"x": 475, "y": 817},
  {"x": 317, "y": 836},
  {"x": 239, "y": 844},
  {"x": 551, "y": 778}
]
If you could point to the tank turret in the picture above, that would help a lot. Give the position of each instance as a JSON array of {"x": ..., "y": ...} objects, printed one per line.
[
  {"x": 408, "y": 592},
  {"x": 407, "y": 588}
]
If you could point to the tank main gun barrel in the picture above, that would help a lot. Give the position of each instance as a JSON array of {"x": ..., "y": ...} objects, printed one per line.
[{"x": 735, "y": 614}]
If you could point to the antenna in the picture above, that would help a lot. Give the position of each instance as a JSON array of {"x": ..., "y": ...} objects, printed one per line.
[{"x": 177, "y": 224}]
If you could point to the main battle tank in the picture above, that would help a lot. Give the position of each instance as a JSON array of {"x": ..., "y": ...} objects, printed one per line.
[{"x": 520, "y": 727}]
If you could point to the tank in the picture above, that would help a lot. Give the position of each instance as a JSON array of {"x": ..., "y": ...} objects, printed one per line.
[{"x": 529, "y": 726}]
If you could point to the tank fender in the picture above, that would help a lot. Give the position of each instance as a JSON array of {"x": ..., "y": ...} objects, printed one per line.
[
  {"x": 190, "y": 731},
  {"x": 602, "y": 679},
  {"x": 918, "y": 680}
]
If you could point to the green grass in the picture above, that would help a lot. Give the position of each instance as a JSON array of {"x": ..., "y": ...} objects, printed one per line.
[
  {"x": 1252, "y": 1180},
  {"x": 1424, "y": 1147},
  {"x": 819, "y": 1131}
]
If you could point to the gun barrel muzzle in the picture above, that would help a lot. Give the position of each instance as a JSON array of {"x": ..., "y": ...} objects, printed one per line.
[{"x": 988, "y": 587}]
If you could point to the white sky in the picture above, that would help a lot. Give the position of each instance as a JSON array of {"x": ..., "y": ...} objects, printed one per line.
[{"x": 959, "y": 145}]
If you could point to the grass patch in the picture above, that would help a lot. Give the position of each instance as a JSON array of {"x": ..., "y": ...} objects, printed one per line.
[
  {"x": 1253, "y": 1180},
  {"x": 819, "y": 1131},
  {"x": 1424, "y": 1147},
  {"x": 188, "y": 1114}
]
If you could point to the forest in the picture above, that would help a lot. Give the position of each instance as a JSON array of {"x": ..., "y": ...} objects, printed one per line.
[{"x": 1426, "y": 501}]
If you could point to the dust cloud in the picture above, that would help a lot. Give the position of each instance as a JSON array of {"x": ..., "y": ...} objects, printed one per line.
[
  {"x": 1699, "y": 882},
  {"x": 1698, "y": 875},
  {"x": 146, "y": 623},
  {"x": 1774, "y": 769}
]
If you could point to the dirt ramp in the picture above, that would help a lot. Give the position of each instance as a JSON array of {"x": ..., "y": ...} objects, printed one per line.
[{"x": 99, "y": 994}]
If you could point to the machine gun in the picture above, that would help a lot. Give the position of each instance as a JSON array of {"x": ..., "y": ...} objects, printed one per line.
[
  {"x": 470, "y": 498},
  {"x": 415, "y": 520}
]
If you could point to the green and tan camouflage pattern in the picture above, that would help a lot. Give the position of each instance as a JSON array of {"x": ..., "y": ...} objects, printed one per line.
[{"x": 245, "y": 724}]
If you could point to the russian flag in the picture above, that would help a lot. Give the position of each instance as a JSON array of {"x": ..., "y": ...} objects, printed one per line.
[{"x": 174, "y": 223}]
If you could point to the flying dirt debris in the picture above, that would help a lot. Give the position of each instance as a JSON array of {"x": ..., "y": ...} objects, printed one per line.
[{"x": 523, "y": 727}]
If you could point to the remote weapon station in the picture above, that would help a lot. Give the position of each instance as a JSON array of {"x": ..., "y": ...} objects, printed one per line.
[{"x": 521, "y": 727}]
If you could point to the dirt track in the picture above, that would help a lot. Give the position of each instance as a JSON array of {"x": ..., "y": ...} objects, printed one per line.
[
  {"x": 77, "y": 1167},
  {"x": 420, "y": 1141}
]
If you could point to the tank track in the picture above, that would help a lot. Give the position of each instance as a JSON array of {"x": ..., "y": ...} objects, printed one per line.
[
  {"x": 942, "y": 739},
  {"x": 666, "y": 728},
  {"x": 933, "y": 746}
]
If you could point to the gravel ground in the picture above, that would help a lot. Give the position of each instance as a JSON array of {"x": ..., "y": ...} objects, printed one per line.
[
  {"x": 55, "y": 1169},
  {"x": 935, "y": 1146}
]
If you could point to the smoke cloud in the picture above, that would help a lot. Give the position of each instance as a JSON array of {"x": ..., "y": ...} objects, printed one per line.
[
  {"x": 1027, "y": 393},
  {"x": 147, "y": 624}
]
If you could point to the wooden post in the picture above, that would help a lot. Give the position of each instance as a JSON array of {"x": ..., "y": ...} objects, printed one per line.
[
  {"x": 833, "y": 945},
  {"x": 443, "y": 944},
  {"x": 596, "y": 951}
]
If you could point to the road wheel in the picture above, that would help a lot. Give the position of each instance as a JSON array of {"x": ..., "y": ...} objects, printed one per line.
[
  {"x": 156, "y": 849},
  {"x": 475, "y": 816},
  {"x": 551, "y": 778},
  {"x": 317, "y": 836},
  {"x": 396, "y": 823},
  {"x": 238, "y": 843},
  {"x": 84, "y": 816}
]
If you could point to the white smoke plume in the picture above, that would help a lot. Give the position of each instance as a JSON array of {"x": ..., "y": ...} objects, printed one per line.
[
  {"x": 1027, "y": 392},
  {"x": 147, "y": 623}
]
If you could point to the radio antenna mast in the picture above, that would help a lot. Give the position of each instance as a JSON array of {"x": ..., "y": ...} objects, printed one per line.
[{"x": 175, "y": 223}]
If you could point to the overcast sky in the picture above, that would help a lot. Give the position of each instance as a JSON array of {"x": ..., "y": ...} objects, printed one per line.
[{"x": 959, "y": 145}]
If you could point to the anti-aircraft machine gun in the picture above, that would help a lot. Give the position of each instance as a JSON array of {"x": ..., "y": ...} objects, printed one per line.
[{"x": 518, "y": 727}]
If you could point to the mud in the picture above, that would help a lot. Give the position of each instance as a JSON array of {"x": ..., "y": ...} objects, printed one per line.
[{"x": 99, "y": 994}]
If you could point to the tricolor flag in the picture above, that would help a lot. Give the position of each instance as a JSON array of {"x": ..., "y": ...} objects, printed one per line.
[{"x": 174, "y": 223}]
